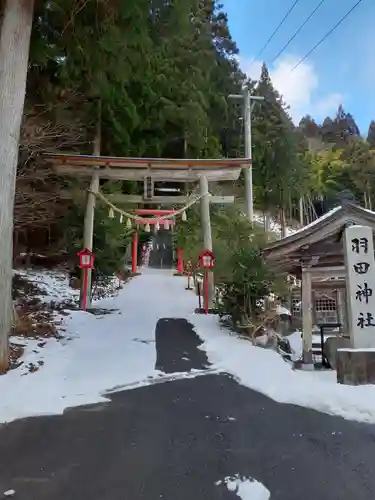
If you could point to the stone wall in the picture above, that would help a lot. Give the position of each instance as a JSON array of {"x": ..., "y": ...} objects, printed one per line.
[{"x": 356, "y": 366}]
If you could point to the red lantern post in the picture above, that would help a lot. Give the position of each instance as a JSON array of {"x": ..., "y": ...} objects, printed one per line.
[
  {"x": 86, "y": 261},
  {"x": 207, "y": 260},
  {"x": 180, "y": 261}
]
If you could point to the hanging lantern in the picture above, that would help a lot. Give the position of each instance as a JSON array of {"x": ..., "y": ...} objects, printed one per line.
[
  {"x": 157, "y": 226},
  {"x": 184, "y": 216},
  {"x": 128, "y": 223},
  {"x": 111, "y": 213},
  {"x": 147, "y": 228},
  {"x": 166, "y": 225},
  {"x": 121, "y": 219}
]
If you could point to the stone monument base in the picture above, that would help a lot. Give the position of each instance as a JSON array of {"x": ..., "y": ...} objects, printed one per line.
[
  {"x": 332, "y": 345},
  {"x": 355, "y": 366}
]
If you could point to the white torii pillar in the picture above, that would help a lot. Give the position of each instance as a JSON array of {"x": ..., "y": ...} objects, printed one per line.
[{"x": 206, "y": 230}]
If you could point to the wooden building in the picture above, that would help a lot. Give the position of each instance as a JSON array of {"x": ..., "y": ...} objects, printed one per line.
[{"x": 315, "y": 255}]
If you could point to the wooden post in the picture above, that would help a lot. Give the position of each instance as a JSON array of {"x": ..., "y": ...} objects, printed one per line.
[
  {"x": 206, "y": 229},
  {"x": 88, "y": 229},
  {"x": 17, "y": 18},
  {"x": 307, "y": 319}
]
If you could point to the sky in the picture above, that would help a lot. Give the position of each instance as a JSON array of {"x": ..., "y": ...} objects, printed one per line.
[{"x": 340, "y": 71}]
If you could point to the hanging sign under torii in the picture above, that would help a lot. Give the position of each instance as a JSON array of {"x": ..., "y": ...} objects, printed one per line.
[{"x": 360, "y": 285}]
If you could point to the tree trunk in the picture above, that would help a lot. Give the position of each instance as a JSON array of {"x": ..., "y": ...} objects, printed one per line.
[
  {"x": 290, "y": 208},
  {"x": 365, "y": 198},
  {"x": 265, "y": 222},
  {"x": 282, "y": 222},
  {"x": 301, "y": 212},
  {"x": 14, "y": 53},
  {"x": 369, "y": 201}
]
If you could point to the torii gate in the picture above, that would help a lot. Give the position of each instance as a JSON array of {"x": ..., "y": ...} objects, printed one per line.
[{"x": 149, "y": 170}]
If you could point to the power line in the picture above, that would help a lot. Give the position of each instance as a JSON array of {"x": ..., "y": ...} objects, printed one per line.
[
  {"x": 298, "y": 31},
  {"x": 326, "y": 35},
  {"x": 276, "y": 30}
]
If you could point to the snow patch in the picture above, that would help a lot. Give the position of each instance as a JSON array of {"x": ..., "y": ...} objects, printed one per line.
[
  {"x": 295, "y": 342},
  {"x": 281, "y": 310},
  {"x": 54, "y": 285},
  {"x": 9, "y": 493},
  {"x": 273, "y": 225},
  {"x": 246, "y": 488}
]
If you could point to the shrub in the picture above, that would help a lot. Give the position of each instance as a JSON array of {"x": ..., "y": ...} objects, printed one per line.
[{"x": 242, "y": 279}]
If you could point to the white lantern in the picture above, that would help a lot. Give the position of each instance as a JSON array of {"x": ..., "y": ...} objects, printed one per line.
[{"x": 206, "y": 261}]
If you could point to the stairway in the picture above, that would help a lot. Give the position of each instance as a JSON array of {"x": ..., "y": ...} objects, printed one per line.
[{"x": 161, "y": 254}]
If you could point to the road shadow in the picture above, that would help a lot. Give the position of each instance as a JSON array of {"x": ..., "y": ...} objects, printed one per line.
[{"x": 177, "y": 347}]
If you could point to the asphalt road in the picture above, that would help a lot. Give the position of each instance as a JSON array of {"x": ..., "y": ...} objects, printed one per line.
[{"x": 175, "y": 440}]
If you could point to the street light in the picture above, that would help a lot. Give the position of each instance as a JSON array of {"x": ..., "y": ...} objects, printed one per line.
[{"x": 248, "y": 172}]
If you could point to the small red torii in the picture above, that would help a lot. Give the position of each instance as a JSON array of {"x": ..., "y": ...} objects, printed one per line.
[{"x": 157, "y": 213}]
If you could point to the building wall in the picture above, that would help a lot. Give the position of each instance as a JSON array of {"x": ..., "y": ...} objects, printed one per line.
[{"x": 325, "y": 307}]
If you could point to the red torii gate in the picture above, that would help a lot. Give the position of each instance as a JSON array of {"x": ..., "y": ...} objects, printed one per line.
[{"x": 155, "y": 220}]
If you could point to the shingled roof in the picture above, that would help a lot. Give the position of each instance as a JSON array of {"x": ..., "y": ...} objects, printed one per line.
[{"x": 320, "y": 239}]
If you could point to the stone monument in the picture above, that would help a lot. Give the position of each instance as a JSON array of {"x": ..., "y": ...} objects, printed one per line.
[{"x": 356, "y": 365}]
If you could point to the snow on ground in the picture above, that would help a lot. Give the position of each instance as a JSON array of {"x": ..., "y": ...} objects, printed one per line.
[
  {"x": 273, "y": 225},
  {"x": 54, "y": 284},
  {"x": 105, "y": 352},
  {"x": 246, "y": 488},
  {"x": 98, "y": 352},
  {"x": 295, "y": 342},
  {"x": 265, "y": 371}
]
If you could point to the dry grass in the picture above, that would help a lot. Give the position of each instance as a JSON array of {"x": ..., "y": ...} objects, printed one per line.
[
  {"x": 33, "y": 318},
  {"x": 31, "y": 323}
]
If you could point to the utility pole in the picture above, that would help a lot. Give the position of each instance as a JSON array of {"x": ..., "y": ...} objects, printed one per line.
[{"x": 247, "y": 99}]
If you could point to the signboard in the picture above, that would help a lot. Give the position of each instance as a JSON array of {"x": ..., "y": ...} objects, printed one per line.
[{"x": 360, "y": 285}]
